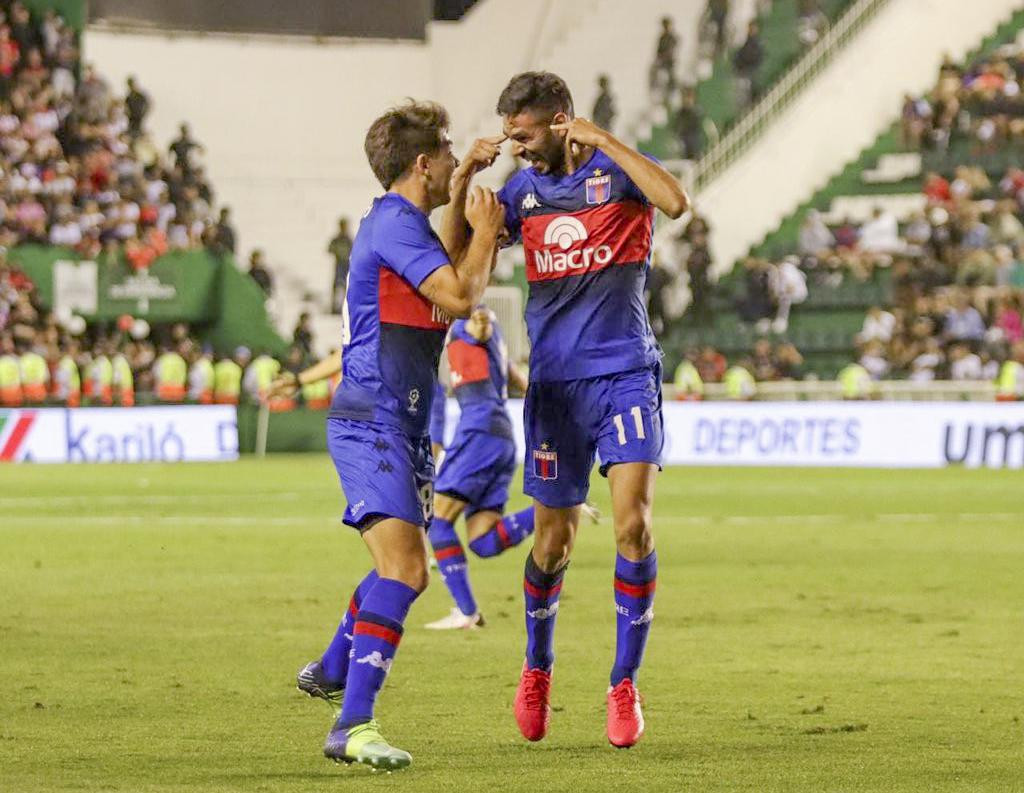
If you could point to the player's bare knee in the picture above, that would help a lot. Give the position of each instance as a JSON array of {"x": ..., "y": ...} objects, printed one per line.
[
  {"x": 633, "y": 536},
  {"x": 411, "y": 572},
  {"x": 552, "y": 549}
]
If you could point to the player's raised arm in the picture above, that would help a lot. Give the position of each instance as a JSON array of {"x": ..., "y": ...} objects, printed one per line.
[
  {"x": 458, "y": 288},
  {"x": 660, "y": 187},
  {"x": 454, "y": 233}
]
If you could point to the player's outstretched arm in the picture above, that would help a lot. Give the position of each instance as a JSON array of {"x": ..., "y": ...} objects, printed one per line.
[
  {"x": 517, "y": 378},
  {"x": 286, "y": 384},
  {"x": 454, "y": 233},
  {"x": 659, "y": 186},
  {"x": 460, "y": 286}
]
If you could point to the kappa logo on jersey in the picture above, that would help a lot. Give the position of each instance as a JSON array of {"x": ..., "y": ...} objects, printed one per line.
[
  {"x": 565, "y": 231},
  {"x": 530, "y": 202},
  {"x": 545, "y": 463},
  {"x": 599, "y": 188},
  {"x": 377, "y": 660}
]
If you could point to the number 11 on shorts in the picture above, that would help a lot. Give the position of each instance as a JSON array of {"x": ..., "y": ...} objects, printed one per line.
[{"x": 638, "y": 422}]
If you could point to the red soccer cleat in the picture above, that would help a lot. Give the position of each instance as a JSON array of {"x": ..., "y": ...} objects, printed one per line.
[
  {"x": 625, "y": 719},
  {"x": 533, "y": 711}
]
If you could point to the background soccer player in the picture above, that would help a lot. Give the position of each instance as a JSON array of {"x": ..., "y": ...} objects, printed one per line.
[
  {"x": 403, "y": 287},
  {"x": 584, "y": 211},
  {"x": 478, "y": 464}
]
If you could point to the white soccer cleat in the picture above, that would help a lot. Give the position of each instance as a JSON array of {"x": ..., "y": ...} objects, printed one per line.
[
  {"x": 457, "y": 621},
  {"x": 591, "y": 511}
]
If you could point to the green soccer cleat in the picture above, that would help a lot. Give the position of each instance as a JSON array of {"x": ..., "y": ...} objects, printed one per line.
[{"x": 364, "y": 744}]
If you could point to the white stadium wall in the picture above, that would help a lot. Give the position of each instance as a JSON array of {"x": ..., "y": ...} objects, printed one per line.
[{"x": 283, "y": 122}]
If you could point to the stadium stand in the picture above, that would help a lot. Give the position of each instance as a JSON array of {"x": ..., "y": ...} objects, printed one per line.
[{"x": 913, "y": 254}]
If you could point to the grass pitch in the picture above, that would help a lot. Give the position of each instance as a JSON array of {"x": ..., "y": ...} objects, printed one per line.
[{"x": 816, "y": 630}]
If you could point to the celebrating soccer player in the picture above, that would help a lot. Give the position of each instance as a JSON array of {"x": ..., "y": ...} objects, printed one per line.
[
  {"x": 403, "y": 287},
  {"x": 584, "y": 211}
]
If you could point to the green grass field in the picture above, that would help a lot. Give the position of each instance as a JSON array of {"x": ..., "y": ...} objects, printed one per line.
[{"x": 815, "y": 631}]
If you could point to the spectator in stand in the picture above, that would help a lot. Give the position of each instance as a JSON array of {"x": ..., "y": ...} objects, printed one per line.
[
  {"x": 259, "y": 272},
  {"x": 915, "y": 120},
  {"x": 1008, "y": 320},
  {"x": 874, "y": 361},
  {"x": 811, "y": 21},
  {"x": 936, "y": 188},
  {"x": 746, "y": 62},
  {"x": 689, "y": 122},
  {"x": 756, "y": 307},
  {"x": 879, "y": 325},
  {"x": 603, "y": 113},
  {"x": 815, "y": 238},
  {"x": 925, "y": 366},
  {"x": 789, "y": 363},
  {"x": 698, "y": 268},
  {"x": 223, "y": 237},
  {"x": 880, "y": 234},
  {"x": 963, "y": 321},
  {"x": 302, "y": 338},
  {"x": 182, "y": 148},
  {"x": 136, "y": 104},
  {"x": 658, "y": 281},
  {"x": 718, "y": 12},
  {"x": 762, "y": 362},
  {"x": 789, "y": 288},
  {"x": 663, "y": 70},
  {"x": 340, "y": 248},
  {"x": 711, "y": 365},
  {"x": 964, "y": 364}
]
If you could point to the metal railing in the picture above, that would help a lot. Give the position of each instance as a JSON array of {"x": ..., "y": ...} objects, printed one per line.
[
  {"x": 886, "y": 390},
  {"x": 783, "y": 93}
]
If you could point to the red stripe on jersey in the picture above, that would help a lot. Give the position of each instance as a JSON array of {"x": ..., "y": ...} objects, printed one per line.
[
  {"x": 468, "y": 363},
  {"x": 353, "y": 609},
  {"x": 577, "y": 243},
  {"x": 379, "y": 631},
  {"x": 400, "y": 304},
  {"x": 635, "y": 590}
]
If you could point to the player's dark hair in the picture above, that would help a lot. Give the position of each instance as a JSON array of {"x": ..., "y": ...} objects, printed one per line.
[
  {"x": 402, "y": 134},
  {"x": 542, "y": 93}
]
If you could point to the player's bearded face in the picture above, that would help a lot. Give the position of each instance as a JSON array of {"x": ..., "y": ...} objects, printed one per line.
[
  {"x": 534, "y": 141},
  {"x": 439, "y": 175}
]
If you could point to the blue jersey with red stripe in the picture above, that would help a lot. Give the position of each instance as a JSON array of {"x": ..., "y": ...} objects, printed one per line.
[
  {"x": 587, "y": 238},
  {"x": 480, "y": 380},
  {"x": 395, "y": 335}
]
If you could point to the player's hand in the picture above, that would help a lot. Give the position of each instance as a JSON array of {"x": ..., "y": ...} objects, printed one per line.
[
  {"x": 481, "y": 154},
  {"x": 582, "y": 132},
  {"x": 285, "y": 385},
  {"x": 484, "y": 212}
]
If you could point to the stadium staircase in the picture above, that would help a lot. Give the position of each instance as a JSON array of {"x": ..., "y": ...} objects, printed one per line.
[
  {"x": 883, "y": 174},
  {"x": 780, "y": 37}
]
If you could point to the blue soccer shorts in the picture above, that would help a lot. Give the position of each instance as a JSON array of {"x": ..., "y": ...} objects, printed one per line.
[
  {"x": 617, "y": 416},
  {"x": 384, "y": 472},
  {"x": 478, "y": 468}
]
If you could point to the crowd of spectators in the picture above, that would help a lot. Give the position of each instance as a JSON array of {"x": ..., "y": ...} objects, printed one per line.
[
  {"x": 768, "y": 361},
  {"x": 981, "y": 103},
  {"x": 126, "y": 361},
  {"x": 79, "y": 169}
]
